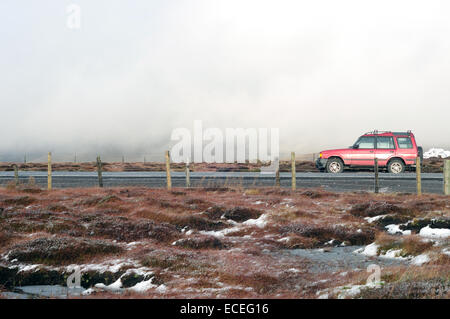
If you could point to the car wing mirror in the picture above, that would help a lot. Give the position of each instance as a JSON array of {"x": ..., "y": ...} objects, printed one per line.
[{"x": 355, "y": 146}]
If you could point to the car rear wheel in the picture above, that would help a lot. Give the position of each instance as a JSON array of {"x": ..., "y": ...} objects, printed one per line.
[
  {"x": 396, "y": 166},
  {"x": 335, "y": 166}
]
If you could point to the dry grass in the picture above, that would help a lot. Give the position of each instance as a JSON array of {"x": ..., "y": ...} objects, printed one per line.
[{"x": 245, "y": 262}]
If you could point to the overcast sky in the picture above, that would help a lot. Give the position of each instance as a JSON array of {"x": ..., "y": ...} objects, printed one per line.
[{"x": 323, "y": 72}]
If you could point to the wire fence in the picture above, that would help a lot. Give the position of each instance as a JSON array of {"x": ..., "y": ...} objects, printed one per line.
[
  {"x": 384, "y": 183},
  {"x": 344, "y": 183}
]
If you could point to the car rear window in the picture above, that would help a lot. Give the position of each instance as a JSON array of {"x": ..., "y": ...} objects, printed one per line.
[
  {"x": 404, "y": 142},
  {"x": 385, "y": 142}
]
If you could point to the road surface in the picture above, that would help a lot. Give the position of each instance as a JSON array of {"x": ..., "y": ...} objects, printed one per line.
[{"x": 347, "y": 181}]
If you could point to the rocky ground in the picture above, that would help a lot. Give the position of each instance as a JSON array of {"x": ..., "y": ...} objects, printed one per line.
[{"x": 225, "y": 243}]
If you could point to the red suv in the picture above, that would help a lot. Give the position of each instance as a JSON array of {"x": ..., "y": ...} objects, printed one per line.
[{"x": 395, "y": 151}]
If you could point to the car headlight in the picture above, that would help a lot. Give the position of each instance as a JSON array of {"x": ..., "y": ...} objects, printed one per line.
[{"x": 320, "y": 155}]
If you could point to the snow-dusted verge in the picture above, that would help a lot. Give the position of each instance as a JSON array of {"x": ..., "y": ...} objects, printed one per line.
[{"x": 436, "y": 152}]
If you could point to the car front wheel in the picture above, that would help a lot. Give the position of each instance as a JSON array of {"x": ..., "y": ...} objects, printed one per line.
[
  {"x": 335, "y": 166},
  {"x": 396, "y": 167}
]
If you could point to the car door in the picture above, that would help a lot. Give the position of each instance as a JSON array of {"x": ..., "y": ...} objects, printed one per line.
[
  {"x": 385, "y": 149},
  {"x": 363, "y": 153}
]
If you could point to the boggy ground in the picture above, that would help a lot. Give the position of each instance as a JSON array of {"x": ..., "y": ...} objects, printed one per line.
[{"x": 225, "y": 242}]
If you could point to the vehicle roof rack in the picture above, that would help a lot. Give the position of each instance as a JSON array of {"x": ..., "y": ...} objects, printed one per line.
[{"x": 394, "y": 133}]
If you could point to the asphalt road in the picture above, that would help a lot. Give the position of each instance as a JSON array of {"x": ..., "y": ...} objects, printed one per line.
[{"x": 347, "y": 181}]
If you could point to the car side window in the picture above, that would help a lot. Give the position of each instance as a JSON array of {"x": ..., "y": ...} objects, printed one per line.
[
  {"x": 385, "y": 142},
  {"x": 404, "y": 142},
  {"x": 366, "y": 142}
]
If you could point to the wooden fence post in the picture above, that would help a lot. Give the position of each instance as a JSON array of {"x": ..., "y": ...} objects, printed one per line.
[
  {"x": 16, "y": 174},
  {"x": 377, "y": 185},
  {"x": 294, "y": 180},
  {"x": 49, "y": 171},
  {"x": 169, "y": 179},
  {"x": 188, "y": 175},
  {"x": 418, "y": 176},
  {"x": 99, "y": 172},
  {"x": 447, "y": 177},
  {"x": 277, "y": 177}
]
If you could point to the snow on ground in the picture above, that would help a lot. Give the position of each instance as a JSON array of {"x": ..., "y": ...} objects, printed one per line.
[
  {"x": 261, "y": 222},
  {"x": 111, "y": 266},
  {"x": 343, "y": 292},
  {"x": 373, "y": 219},
  {"x": 393, "y": 253},
  {"x": 369, "y": 250},
  {"x": 143, "y": 286},
  {"x": 395, "y": 229},
  {"x": 436, "y": 152},
  {"x": 434, "y": 232},
  {"x": 420, "y": 260},
  {"x": 114, "y": 287},
  {"x": 219, "y": 233}
]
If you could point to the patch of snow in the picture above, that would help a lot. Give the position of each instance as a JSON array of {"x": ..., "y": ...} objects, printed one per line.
[
  {"x": 373, "y": 219},
  {"x": 421, "y": 259},
  {"x": 369, "y": 250},
  {"x": 353, "y": 290},
  {"x": 392, "y": 253},
  {"x": 350, "y": 291},
  {"x": 294, "y": 270},
  {"x": 111, "y": 265},
  {"x": 161, "y": 288},
  {"x": 143, "y": 286},
  {"x": 434, "y": 232},
  {"x": 221, "y": 233},
  {"x": 88, "y": 291},
  {"x": 395, "y": 229},
  {"x": 261, "y": 222},
  {"x": 23, "y": 268},
  {"x": 114, "y": 287},
  {"x": 436, "y": 152}
]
